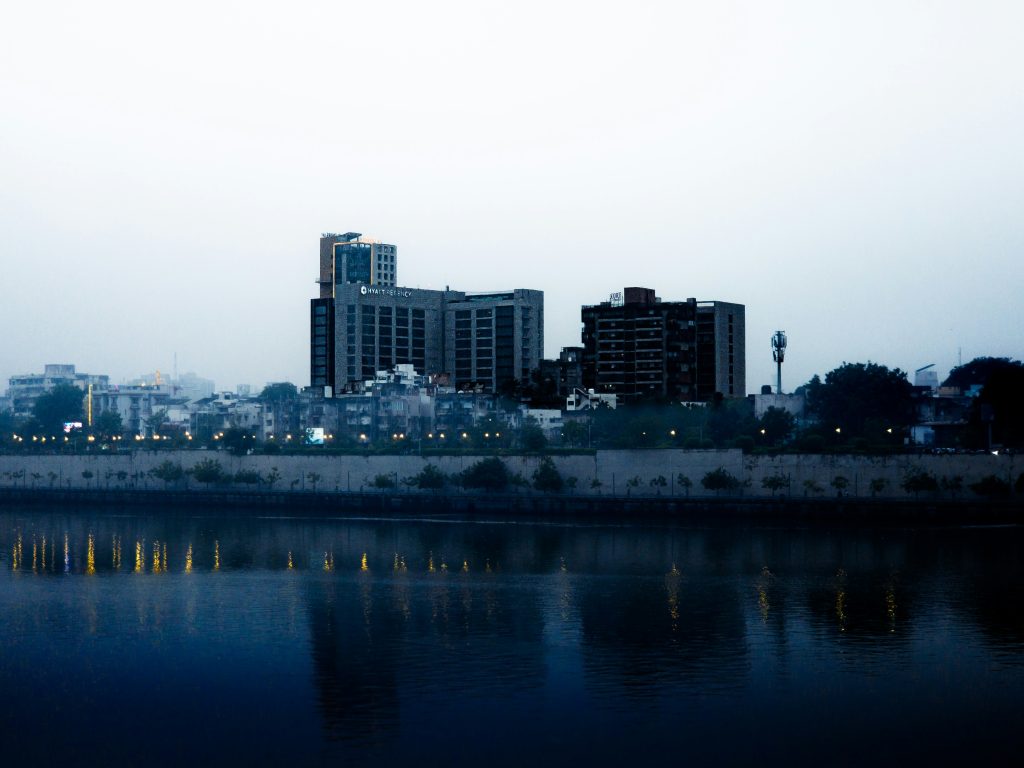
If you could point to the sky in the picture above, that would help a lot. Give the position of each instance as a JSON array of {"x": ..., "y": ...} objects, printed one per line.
[{"x": 851, "y": 172}]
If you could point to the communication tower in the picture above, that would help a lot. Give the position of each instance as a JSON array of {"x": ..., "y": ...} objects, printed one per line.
[{"x": 778, "y": 355}]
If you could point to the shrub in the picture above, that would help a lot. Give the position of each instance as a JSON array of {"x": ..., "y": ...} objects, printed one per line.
[
  {"x": 487, "y": 474},
  {"x": 918, "y": 481},
  {"x": 430, "y": 478},
  {"x": 168, "y": 471},
  {"x": 720, "y": 480},
  {"x": 812, "y": 487},
  {"x": 684, "y": 482},
  {"x": 952, "y": 485},
  {"x": 991, "y": 487},
  {"x": 247, "y": 477},
  {"x": 840, "y": 483},
  {"x": 208, "y": 471},
  {"x": 547, "y": 477},
  {"x": 384, "y": 482},
  {"x": 775, "y": 483}
]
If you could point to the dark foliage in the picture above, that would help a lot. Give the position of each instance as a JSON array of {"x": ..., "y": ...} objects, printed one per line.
[
  {"x": 991, "y": 487},
  {"x": 487, "y": 474},
  {"x": 861, "y": 400},
  {"x": 547, "y": 477},
  {"x": 62, "y": 403}
]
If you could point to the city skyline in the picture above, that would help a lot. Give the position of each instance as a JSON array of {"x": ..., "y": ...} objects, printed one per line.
[{"x": 851, "y": 182}]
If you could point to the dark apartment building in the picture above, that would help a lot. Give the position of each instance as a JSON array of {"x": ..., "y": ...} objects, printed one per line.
[
  {"x": 638, "y": 346},
  {"x": 493, "y": 337}
]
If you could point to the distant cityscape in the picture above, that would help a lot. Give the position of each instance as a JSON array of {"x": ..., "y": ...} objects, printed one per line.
[{"x": 391, "y": 364}]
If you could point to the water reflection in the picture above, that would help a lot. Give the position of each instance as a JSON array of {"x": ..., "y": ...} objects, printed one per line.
[{"x": 392, "y": 630}]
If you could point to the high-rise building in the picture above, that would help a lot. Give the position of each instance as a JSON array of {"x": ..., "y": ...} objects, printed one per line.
[
  {"x": 721, "y": 350},
  {"x": 353, "y": 259},
  {"x": 363, "y": 323},
  {"x": 493, "y": 339},
  {"x": 637, "y": 346},
  {"x": 345, "y": 259}
]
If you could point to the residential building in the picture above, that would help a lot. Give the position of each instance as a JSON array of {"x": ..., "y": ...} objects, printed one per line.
[
  {"x": 25, "y": 389},
  {"x": 136, "y": 404},
  {"x": 721, "y": 350},
  {"x": 638, "y": 347}
]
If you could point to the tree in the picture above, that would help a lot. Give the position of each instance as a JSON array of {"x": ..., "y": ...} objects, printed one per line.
[
  {"x": 839, "y": 483},
  {"x": 86, "y": 475},
  {"x": 314, "y": 478},
  {"x": 991, "y": 487},
  {"x": 812, "y": 487},
  {"x": 248, "y": 477},
  {"x": 919, "y": 481},
  {"x": 978, "y": 371},
  {"x": 547, "y": 477},
  {"x": 775, "y": 483},
  {"x": 532, "y": 436},
  {"x": 157, "y": 420},
  {"x": 1001, "y": 407},
  {"x": 542, "y": 391},
  {"x": 720, "y": 480},
  {"x": 729, "y": 420},
  {"x": 273, "y": 476},
  {"x": 861, "y": 400},
  {"x": 684, "y": 482},
  {"x": 62, "y": 403},
  {"x": 877, "y": 485},
  {"x": 429, "y": 478},
  {"x": 574, "y": 433},
  {"x": 7, "y": 424},
  {"x": 487, "y": 474},
  {"x": 659, "y": 482},
  {"x": 952, "y": 485},
  {"x": 384, "y": 482},
  {"x": 108, "y": 424},
  {"x": 168, "y": 471},
  {"x": 279, "y": 392},
  {"x": 776, "y": 426},
  {"x": 238, "y": 440},
  {"x": 208, "y": 471}
]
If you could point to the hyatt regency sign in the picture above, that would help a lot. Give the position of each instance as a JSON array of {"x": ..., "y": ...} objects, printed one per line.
[{"x": 372, "y": 290}]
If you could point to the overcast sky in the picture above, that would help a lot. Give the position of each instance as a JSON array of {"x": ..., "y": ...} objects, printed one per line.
[{"x": 851, "y": 172}]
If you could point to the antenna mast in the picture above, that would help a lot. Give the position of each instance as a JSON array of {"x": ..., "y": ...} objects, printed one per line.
[{"x": 778, "y": 355}]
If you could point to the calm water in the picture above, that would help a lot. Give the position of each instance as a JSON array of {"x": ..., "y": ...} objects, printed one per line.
[{"x": 130, "y": 640}]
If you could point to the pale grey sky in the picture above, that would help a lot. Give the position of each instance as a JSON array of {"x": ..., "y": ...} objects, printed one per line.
[{"x": 852, "y": 172}]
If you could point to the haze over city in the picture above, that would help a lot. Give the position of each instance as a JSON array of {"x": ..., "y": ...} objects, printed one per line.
[{"x": 851, "y": 175}]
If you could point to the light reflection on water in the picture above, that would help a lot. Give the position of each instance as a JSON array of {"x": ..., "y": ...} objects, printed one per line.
[{"x": 307, "y": 641}]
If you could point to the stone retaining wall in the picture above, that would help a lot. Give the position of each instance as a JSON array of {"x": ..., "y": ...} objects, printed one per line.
[{"x": 618, "y": 473}]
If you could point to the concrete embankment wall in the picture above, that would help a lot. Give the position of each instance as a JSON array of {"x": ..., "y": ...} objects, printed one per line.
[{"x": 618, "y": 473}]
